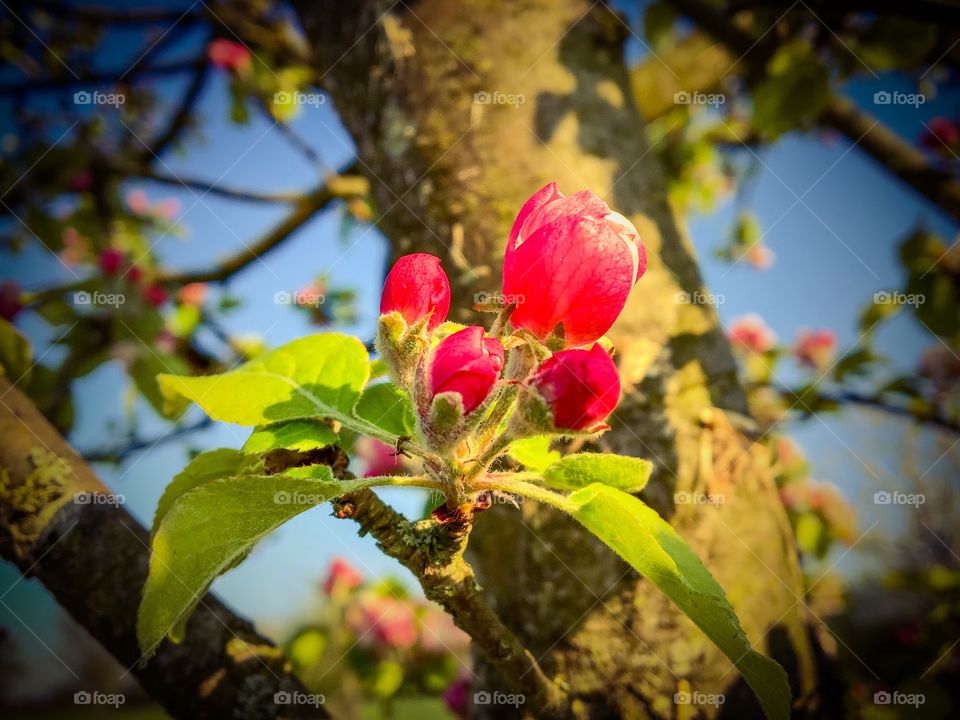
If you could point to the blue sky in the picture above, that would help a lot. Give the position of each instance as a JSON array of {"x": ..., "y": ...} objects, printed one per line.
[{"x": 831, "y": 257}]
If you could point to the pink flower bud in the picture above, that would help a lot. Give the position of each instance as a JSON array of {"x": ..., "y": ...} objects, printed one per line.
[
  {"x": 137, "y": 201},
  {"x": 572, "y": 261},
  {"x": 466, "y": 363},
  {"x": 110, "y": 261},
  {"x": 582, "y": 387},
  {"x": 194, "y": 293},
  {"x": 228, "y": 55},
  {"x": 341, "y": 575},
  {"x": 815, "y": 349},
  {"x": 940, "y": 132},
  {"x": 10, "y": 302},
  {"x": 155, "y": 295},
  {"x": 751, "y": 333},
  {"x": 760, "y": 256},
  {"x": 415, "y": 287}
]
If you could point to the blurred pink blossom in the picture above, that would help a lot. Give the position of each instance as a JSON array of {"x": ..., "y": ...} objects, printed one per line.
[
  {"x": 382, "y": 621},
  {"x": 228, "y": 55},
  {"x": 751, "y": 332},
  {"x": 137, "y": 201},
  {"x": 378, "y": 458},
  {"x": 341, "y": 575},
  {"x": 193, "y": 293},
  {"x": 10, "y": 302},
  {"x": 815, "y": 348},
  {"x": 760, "y": 256}
]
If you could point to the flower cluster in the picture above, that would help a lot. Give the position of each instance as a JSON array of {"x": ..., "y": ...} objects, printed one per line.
[{"x": 543, "y": 366}]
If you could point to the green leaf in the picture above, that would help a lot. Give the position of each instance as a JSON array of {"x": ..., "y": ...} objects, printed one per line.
[
  {"x": 15, "y": 354},
  {"x": 576, "y": 471},
  {"x": 208, "y": 530},
  {"x": 649, "y": 544},
  {"x": 212, "y": 465},
  {"x": 534, "y": 453},
  {"x": 794, "y": 92},
  {"x": 301, "y": 435},
  {"x": 315, "y": 376},
  {"x": 387, "y": 406},
  {"x": 144, "y": 371},
  {"x": 658, "y": 21}
]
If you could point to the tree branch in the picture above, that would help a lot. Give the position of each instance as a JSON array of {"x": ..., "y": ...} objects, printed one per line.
[
  {"x": 433, "y": 552},
  {"x": 93, "y": 558},
  {"x": 849, "y": 397},
  {"x": 63, "y": 82},
  {"x": 337, "y": 186},
  {"x": 181, "y": 118},
  {"x": 887, "y": 148},
  {"x": 127, "y": 16},
  {"x": 219, "y": 190},
  {"x": 116, "y": 453}
]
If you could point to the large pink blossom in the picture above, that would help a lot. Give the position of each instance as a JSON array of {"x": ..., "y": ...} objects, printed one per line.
[{"x": 570, "y": 261}]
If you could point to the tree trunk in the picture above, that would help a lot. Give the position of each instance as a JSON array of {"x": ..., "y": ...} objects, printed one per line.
[
  {"x": 449, "y": 168},
  {"x": 93, "y": 558}
]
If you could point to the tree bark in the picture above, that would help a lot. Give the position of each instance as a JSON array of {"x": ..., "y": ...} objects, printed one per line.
[
  {"x": 449, "y": 171},
  {"x": 93, "y": 558}
]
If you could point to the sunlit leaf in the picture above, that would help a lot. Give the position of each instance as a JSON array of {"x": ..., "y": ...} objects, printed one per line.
[
  {"x": 648, "y": 543},
  {"x": 576, "y": 471},
  {"x": 302, "y": 435}
]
